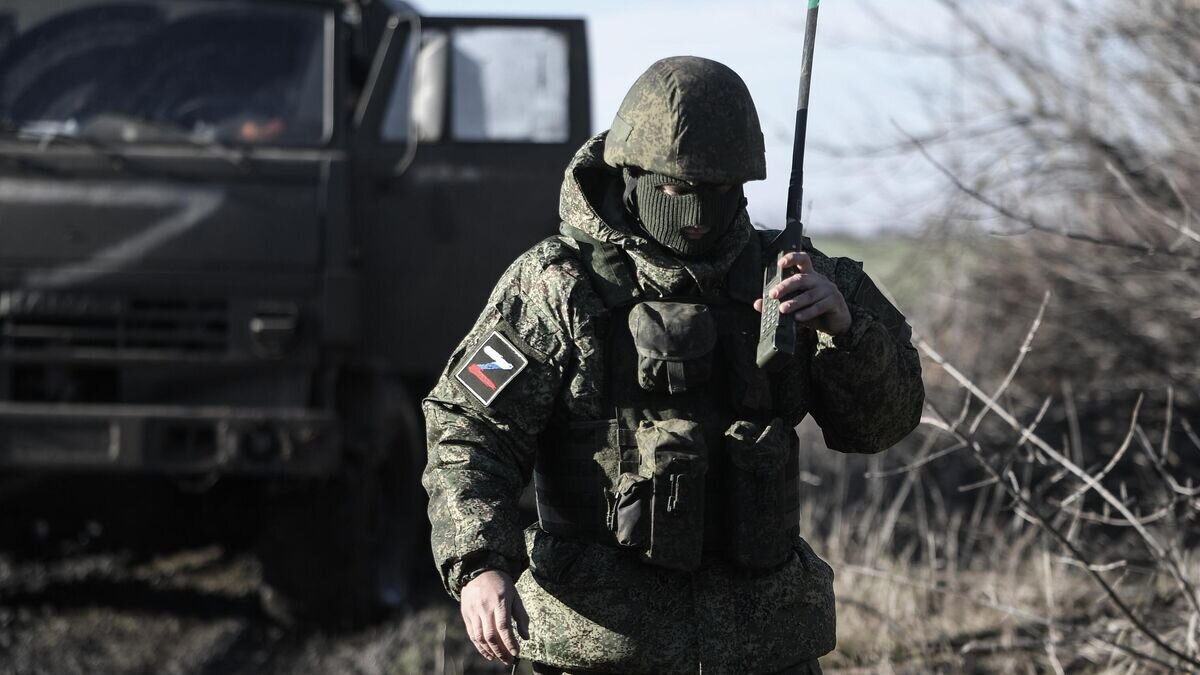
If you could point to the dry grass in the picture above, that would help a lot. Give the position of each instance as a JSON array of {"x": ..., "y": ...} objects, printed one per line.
[
  {"x": 1013, "y": 603},
  {"x": 1045, "y": 520},
  {"x": 964, "y": 582}
]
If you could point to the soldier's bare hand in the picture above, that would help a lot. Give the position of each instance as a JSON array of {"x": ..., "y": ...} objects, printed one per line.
[
  {"x": 489, "y": 606},
  {"x": 815, "y": 301}
]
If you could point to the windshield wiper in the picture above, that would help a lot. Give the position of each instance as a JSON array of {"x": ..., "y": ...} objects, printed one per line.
[
  {"x": 123, "y": 126},
  {"x": 46, "y": 133},
  {"x": 240, "y": 156},
  {"x": 10, "y": 129}
]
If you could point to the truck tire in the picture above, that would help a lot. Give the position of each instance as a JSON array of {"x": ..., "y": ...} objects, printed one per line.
[{"x": 342, "y": 552}]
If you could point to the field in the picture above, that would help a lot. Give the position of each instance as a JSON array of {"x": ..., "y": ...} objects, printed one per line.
[{"x": 942, "y": 567}]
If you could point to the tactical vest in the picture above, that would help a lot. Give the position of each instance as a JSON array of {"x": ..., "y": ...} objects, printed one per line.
[{"x": 692, "y": 460}]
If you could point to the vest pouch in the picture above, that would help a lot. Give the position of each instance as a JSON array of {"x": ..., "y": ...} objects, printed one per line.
[
  {"x": 630, "y": 510},
  {"x": 674, "y": 342},
  {"x": 760, "y": 537},
  {"x": 674, "y": 458}
]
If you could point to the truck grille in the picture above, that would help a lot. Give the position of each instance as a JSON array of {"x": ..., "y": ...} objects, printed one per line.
[{"x": 32, "y": 321}]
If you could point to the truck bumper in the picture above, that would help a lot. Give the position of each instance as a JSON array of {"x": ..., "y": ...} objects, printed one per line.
[{"x": 183, "y": 440}]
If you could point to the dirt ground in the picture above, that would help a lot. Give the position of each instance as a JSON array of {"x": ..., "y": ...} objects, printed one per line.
[
  {"x": 141, "y": 580},
  {"x": 136, "y": 581},
  {"x": 195, "y": 611}
]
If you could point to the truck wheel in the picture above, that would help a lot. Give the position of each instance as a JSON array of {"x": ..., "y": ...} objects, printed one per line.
[{"x": 342, "y": 552}]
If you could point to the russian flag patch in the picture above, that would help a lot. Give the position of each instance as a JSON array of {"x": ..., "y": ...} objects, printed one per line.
[{"x": 493, "y": 365}]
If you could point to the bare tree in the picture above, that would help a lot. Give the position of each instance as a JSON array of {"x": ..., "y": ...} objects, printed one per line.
[{"x": 1076, "y": 143}]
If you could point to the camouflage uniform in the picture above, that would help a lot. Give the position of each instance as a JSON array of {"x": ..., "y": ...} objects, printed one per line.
[{"x": 598, "y": 608}]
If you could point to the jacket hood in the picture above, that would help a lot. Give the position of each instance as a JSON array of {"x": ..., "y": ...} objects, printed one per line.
[{"x": 591, "y": 202}]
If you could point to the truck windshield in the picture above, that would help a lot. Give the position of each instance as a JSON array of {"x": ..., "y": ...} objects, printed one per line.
[{"x": 163, "y": 71}]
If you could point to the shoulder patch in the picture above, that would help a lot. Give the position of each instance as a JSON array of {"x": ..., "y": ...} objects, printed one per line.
[{"x": 491, "y": 367}]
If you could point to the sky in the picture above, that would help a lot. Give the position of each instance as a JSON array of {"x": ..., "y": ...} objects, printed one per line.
[{"x": 864, "y": 92}]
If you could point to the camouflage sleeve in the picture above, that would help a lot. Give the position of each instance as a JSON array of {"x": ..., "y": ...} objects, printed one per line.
[
  {"x": 868, "y": 392},
  {"x": 481, "y": 454}
]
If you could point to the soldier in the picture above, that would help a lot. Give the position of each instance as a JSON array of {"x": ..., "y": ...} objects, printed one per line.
[{"x": 615, "y": 365}]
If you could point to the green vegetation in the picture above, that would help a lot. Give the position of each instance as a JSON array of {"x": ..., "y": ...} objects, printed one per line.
[{"x": 895, "y": 262}]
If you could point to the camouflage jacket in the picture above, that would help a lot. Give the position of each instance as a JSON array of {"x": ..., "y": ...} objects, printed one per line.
[{"x": 591, "y": 607}]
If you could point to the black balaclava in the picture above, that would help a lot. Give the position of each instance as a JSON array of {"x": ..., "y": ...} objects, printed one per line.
[{"x": 663, "y": 216}]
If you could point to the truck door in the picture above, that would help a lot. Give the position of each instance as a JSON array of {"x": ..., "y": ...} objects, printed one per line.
[{"x": 462, "y": 146}]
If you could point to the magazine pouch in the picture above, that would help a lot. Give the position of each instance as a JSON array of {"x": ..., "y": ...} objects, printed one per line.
[
  {"x": 674, "y": 458},
  {"x": 760, "y": 537}
]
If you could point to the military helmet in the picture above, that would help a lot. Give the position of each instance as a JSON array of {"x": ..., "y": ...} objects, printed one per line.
[{"x": 689, "y": 118}]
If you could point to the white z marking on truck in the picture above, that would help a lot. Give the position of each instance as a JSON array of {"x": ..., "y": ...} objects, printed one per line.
[{"x": 192, "y": 204}]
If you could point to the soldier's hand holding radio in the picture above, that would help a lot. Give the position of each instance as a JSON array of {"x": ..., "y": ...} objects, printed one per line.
[{"x": 815, "y": 301}]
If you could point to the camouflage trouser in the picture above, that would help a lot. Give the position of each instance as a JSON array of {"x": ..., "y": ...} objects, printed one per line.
[{"x": 806, "y": 668}]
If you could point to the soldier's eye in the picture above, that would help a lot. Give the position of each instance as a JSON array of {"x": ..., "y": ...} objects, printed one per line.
[{"x": 674, "y": 190}]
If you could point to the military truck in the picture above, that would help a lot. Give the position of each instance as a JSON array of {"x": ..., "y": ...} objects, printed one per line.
[{"x": 239, "y": 238}]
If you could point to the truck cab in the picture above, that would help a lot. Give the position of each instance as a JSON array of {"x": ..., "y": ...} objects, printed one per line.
[{"x": 238, "y": 239}]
